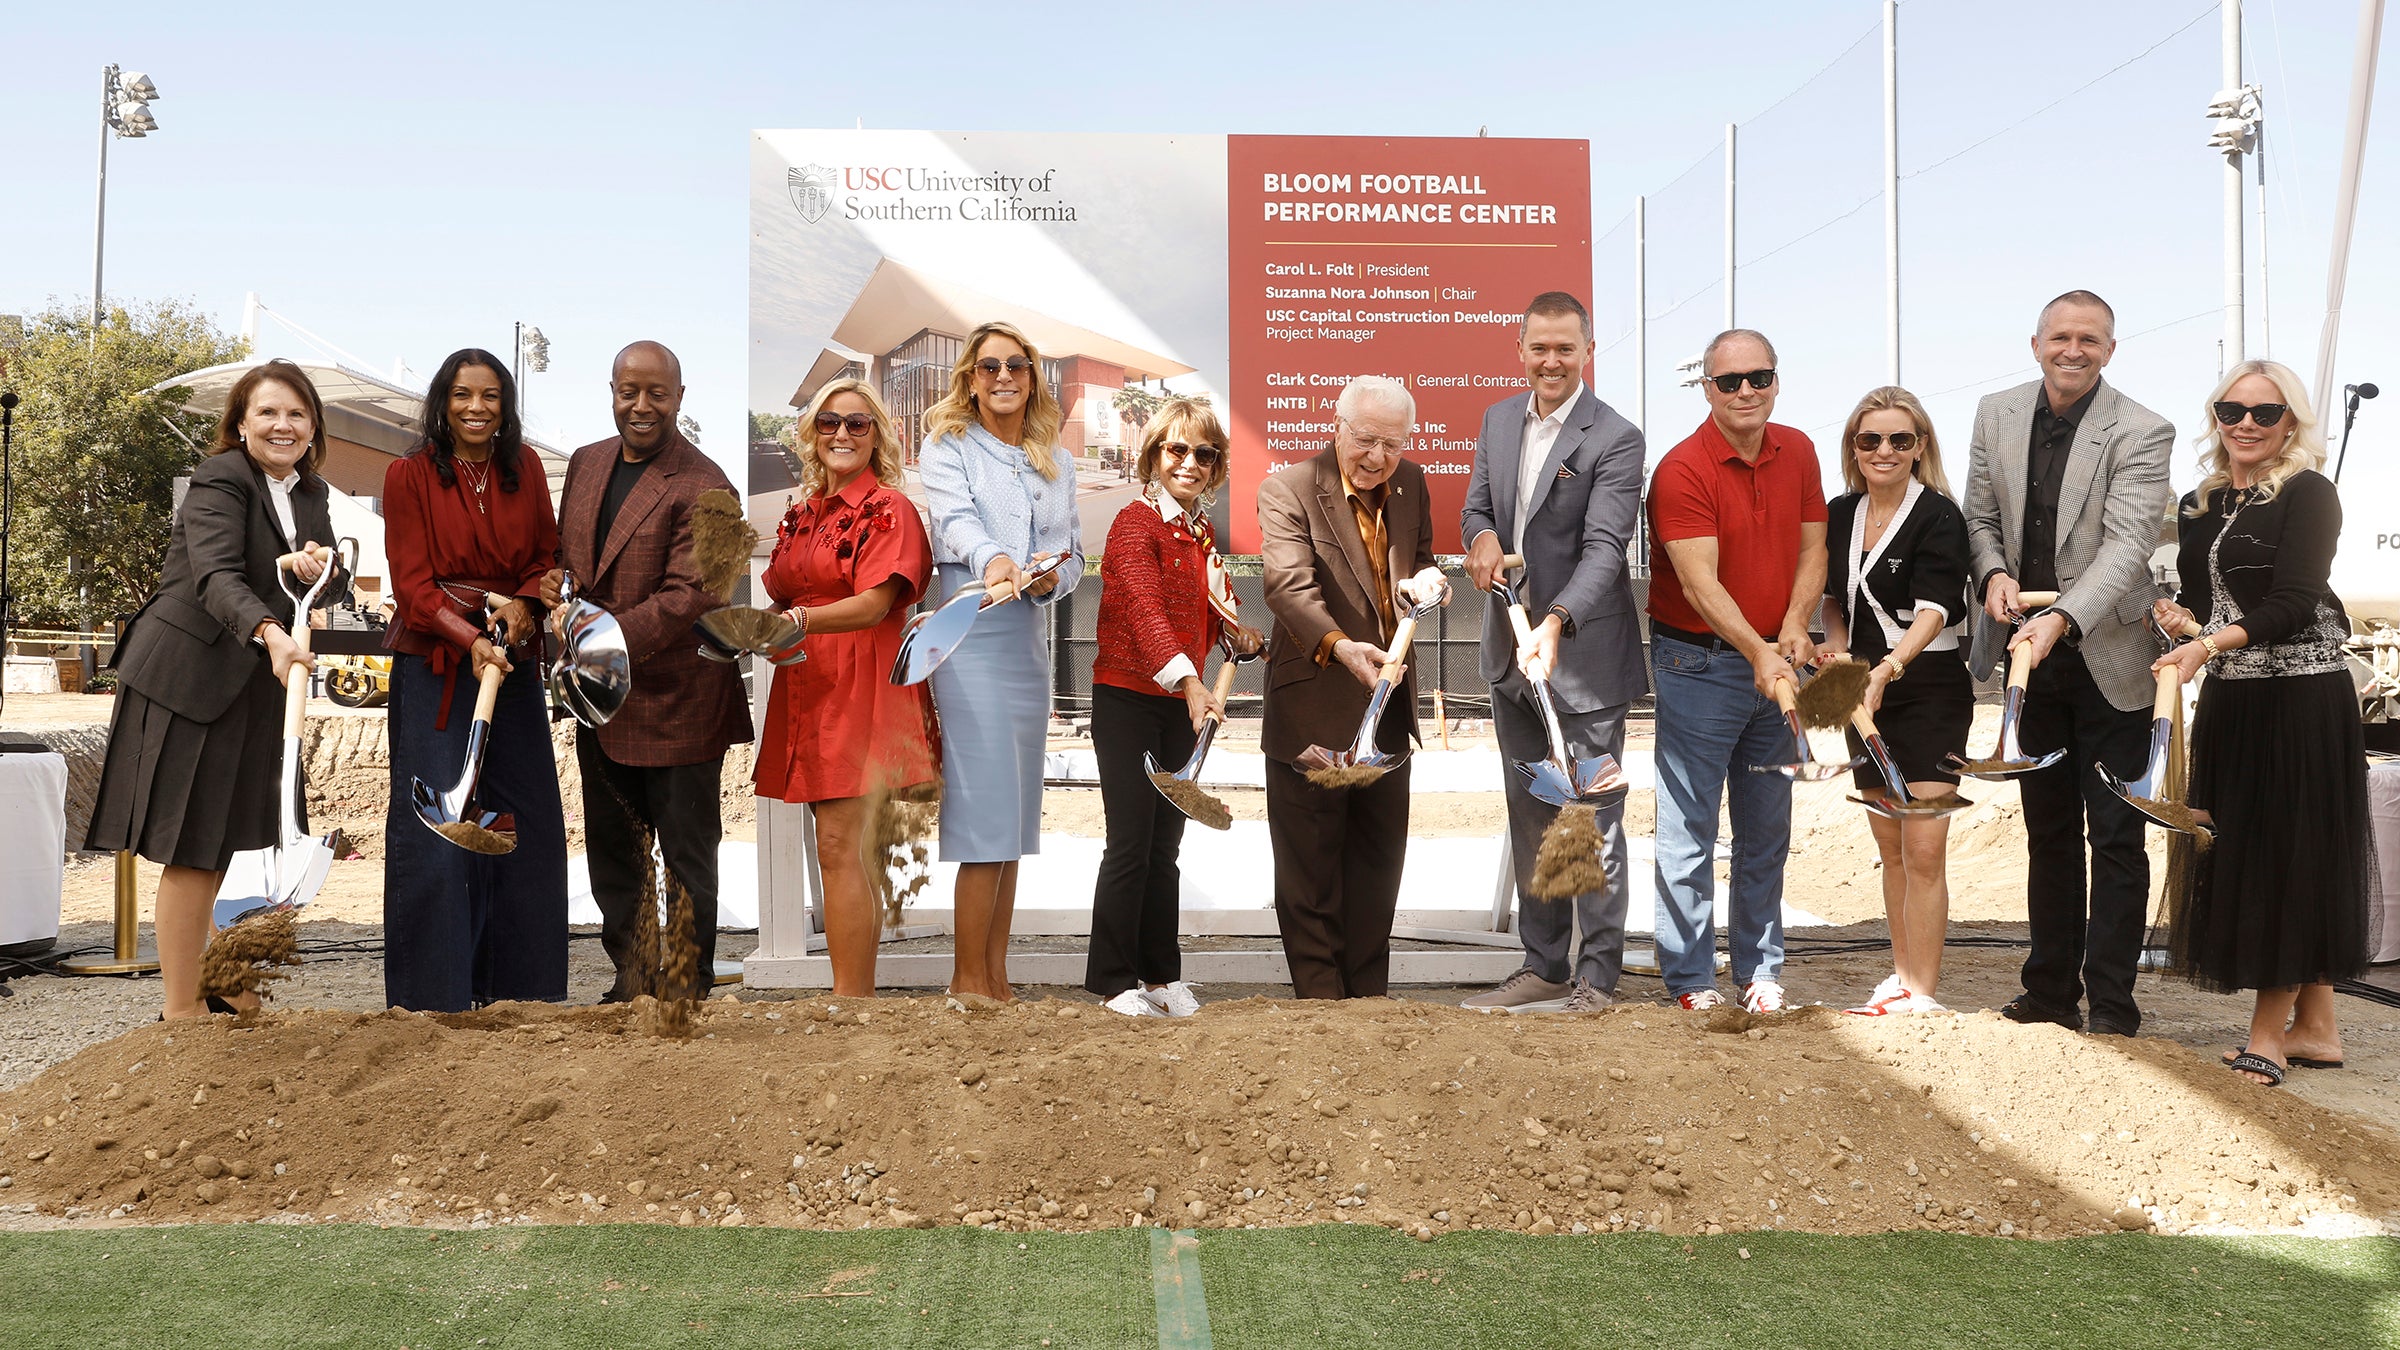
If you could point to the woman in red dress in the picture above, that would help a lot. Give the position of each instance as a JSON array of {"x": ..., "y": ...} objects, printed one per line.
[{"x": 850, "y": 558}]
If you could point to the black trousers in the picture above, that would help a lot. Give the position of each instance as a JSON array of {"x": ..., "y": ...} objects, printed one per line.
[
  {"x": 621, "y": 802},
  {"x": 1136, "y": 902},
  {"x": 1338, "y": 854},
  {"x": 2086, "y": 942}
]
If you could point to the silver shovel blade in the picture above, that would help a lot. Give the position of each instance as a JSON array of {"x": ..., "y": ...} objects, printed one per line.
[
  {"x": 258, "y": 880},
  {"x": 593, "y": 661},
  {"x": 931, "y": 638}
]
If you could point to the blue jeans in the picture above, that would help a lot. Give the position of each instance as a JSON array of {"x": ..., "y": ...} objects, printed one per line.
[{"x": 1712, "y": 727}]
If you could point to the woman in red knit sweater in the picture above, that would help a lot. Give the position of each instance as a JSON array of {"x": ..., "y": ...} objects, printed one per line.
[{"x": 1164, "y": 601}]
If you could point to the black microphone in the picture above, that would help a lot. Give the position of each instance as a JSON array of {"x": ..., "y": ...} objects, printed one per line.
[
  {"x": 2365, "y": 390},
  {"x": 8, "y": 401}
]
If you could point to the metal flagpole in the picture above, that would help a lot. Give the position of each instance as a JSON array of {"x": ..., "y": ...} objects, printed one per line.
[
  {"x": 2345, "y": 211},
  {"x": 2235, "y": 190},
  {"x": 1729, "y": 225},
  {"x": 1891, "y": 191},
  {"x": 1641, "y": 314}
]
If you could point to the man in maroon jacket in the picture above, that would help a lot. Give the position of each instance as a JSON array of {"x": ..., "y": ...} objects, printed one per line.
[{"x": 624, "y": 533}]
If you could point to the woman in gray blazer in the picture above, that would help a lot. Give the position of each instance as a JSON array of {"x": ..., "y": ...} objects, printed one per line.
[{"x": 193, "y": 749}]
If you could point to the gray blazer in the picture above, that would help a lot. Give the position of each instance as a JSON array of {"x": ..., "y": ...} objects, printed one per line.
[
  {"x": 2111, "y": 509},
  {"x": 1582, "y": 521}
]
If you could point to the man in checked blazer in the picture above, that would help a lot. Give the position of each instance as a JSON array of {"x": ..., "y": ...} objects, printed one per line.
[
  {"x": 2067, "y": 491},
  {"x": 1346, "y": 539},
  {"x": 1558, "y": 479},
  {"x": 624, "y": 534}
]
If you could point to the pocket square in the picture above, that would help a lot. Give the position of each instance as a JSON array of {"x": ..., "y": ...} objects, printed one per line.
[{"x": 1565, "y": 472}]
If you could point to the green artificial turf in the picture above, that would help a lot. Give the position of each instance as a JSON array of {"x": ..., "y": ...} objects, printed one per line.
[
  {"x": 1913, "y": 1291},
  {"x": 618, "y": 1286}
]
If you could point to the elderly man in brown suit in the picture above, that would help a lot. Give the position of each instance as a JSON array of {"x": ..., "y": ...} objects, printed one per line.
[
  {"x": 624, "y": 533},
  {"x": 1347, "y": 539}
]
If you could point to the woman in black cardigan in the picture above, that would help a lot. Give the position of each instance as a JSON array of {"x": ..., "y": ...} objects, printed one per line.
[
  {"x": 2283, "y": 903},
  {"x": 194, "y": 746},
  {"x": 1896, "y": 596}
]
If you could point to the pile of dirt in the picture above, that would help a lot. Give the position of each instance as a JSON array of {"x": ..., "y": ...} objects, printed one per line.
[{"x": 1056, "y": 1115}]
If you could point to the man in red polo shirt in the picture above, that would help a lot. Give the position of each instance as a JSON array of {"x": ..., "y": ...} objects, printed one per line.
[{"x": 1737, "y": 514}]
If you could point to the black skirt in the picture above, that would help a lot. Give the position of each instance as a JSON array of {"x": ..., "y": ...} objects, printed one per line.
[
  {"x": 191, "y": 794},
  {"x": 2287, "y": 896},
  {"x": 1925, "y": 715}
]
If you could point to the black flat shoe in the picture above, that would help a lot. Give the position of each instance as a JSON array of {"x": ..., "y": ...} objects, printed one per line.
[
  {"x": 218, "y": 1005},
  {"x": 2022, "y": 1009}
]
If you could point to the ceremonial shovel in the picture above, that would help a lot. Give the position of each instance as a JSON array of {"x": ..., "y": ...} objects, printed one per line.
[
  {"x": 1362, "y": 763},
  {"x": 1897, "y": 803},
  {"x": 1555, "y": 780},
  {"x": 1182, "y": 787},
  {"x": 2009, "y": 758},
  {"x": 2148, "y": 794},
  {"x": 930, "y": 638},
  {"x": 594, "y": 670},
  {"x": 1805, "y": 766},
  {"x": 455, "y": 815},
  {"x": 288, "y": 875}
]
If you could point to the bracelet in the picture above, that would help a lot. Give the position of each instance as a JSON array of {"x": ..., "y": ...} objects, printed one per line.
[
  {"x": 798, "y": 614},
  {"x": 2209, "y": 644},
  {"x": 1899, "y": 668}
]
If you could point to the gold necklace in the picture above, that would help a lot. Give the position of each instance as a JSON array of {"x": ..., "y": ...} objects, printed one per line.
[{"x": 477, "y": 483}]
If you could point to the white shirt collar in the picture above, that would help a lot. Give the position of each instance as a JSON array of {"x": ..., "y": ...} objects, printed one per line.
[
  {"x": 1558, "y": 415},
  {"x": 1169, "y": 510}
]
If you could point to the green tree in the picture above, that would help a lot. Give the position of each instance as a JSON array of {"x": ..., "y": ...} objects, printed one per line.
[
  {"x": 776, "y": 427},
  {"x": 99, "y": 454}
]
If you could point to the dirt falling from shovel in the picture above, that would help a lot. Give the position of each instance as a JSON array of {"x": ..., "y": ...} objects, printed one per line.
[
  {"x": 1569, "y": 861},
  {"x": 721, "y": 541},
  {"x": 899, "y": 822},
  {"x": 1345, "y": 775},
  {"x": 1827, "y": 701},
  {"x": 241, "y": 959}
]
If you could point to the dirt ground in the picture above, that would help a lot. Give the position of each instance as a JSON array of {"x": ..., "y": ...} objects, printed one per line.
[
  {"x": 1058, "y": 1115},
  {"x": 1053, "y": 1114}
]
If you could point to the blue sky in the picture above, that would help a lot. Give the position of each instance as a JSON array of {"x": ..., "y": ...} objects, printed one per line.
[{"x": 406, "y": 180}]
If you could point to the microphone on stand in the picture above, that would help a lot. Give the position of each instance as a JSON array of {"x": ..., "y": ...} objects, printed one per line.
[{"x": 2352, "y": 394}]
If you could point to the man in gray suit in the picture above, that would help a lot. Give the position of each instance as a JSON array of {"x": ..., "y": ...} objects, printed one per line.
[
  {"x": 2067, "y": 491},
  {"x": 1558, "y": 478}
]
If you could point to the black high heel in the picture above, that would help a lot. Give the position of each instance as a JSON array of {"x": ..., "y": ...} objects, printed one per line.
[{"x": 218, "y": 1005}]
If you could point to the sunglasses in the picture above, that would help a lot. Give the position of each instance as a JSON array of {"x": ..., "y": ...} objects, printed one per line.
[
  {"x": 2265, "y": 414},
  {"x": 1868, "y": 442},
  {"x": 1726, "y": 384},
  {"x": 991, "y": 366},
  {"x": 829, "y": 423},
  {"x": 1206, "y": 456}
]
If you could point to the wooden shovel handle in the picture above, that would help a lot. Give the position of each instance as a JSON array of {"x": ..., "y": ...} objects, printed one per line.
[
  {"x": 1402, "y": 635},
  {"x": 487, "y": 692},
  {"x": 2037, "y": 599},
  {"x": 1864, "y": 721},
  {"x": 1223, "y": 688},
  {"x": 1784, "y": 696},
  {"x": 2020, "y": 664},
  {"x": 1510, "y": 562},
  {"x": 295, "y": 695},
  {"x": 2170, "y": 693}
]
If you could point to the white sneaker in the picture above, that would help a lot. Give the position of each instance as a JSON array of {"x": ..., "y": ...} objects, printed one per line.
[
  {"x": 1887, "y": 991},
  {"x": 1134, "y": 1002},
  {"x": 1700, "y": 1000},
  {"x": 1762, "y": 996},
  {"x": 1175, "y": 999},
  {"x": 1916, "y": 1003}
]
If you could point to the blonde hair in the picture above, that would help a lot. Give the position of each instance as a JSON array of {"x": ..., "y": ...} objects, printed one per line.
[
  {"x": 886, "y": 459},
  {"x": 1890, "y": 398},
  {"x": 956, "y": 412},
  {"x": 1194, "y": 423},
  {"x": 2304, "y": 450}
]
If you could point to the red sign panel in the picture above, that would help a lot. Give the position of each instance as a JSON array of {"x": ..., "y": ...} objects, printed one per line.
[{"x": 1413, "y": 258}]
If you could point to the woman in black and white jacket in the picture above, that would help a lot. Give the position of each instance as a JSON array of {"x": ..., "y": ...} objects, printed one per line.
[{"x": 1896, "y": 597}]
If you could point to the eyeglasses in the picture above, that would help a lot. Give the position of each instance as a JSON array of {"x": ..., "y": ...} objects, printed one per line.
[
  {"x": 1759, "y": 379},
  {"x": 991, "y": 366},
  {"x": 829, "y": 423},
  {"x": 1205, "y": 456},
  {"x": 1868, "y": 442},
  {"x": 2265, "y": 414},
  {"x": 1389, "y": 444}
]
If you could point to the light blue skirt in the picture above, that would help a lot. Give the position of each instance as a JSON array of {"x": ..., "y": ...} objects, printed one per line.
[{"x": 993, "y": 695}]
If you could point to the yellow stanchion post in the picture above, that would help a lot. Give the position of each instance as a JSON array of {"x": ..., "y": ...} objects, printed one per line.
[{"x": 128, "y": 957}]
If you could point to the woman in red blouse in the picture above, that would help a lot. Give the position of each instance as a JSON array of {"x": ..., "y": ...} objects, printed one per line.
[
  {"x": 1164, "y": 601},
  {"x": 850, "y": 558},
  {"x": 465, "y": 516}
]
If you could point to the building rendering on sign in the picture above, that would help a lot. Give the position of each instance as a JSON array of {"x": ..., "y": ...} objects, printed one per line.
[{"x": 903, "y": 332}]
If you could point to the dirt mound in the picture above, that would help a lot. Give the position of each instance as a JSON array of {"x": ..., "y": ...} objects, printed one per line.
[{"x": 842, "y": 1113}]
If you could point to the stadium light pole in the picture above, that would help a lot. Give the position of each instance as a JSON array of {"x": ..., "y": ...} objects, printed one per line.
[
  {"x": 2235, "y": 110},
  {"x": 1891, "y": 191},
  {"x": 1729, "y": 224},
  {"x": 1641, "y": 314},
  {"x": 125, "y": 100}
]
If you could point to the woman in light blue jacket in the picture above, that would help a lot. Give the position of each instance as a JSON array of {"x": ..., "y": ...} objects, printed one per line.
[{"x": 1002, "y": 495}]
